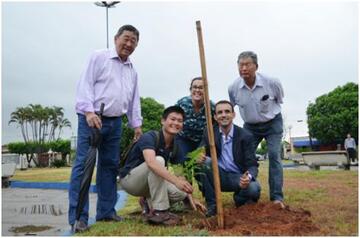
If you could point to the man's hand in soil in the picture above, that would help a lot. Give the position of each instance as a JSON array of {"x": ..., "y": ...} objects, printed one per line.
[
  {"x": 244, "y": 180},
  {"x": 200, "y": 206},
  {"x": 196, "y": 204}
]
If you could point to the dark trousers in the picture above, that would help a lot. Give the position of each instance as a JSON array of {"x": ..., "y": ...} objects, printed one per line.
[
  {"x": 351, "y": 154},
  {"x": 107, "y": 169},
  {"x": 229, "y": 182}
]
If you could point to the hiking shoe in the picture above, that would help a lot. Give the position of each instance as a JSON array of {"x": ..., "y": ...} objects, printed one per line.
[
  {"x": 145, "y": 209},
  {"x": 163, "y": 218}
]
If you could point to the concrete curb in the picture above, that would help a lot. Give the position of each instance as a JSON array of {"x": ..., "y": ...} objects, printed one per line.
[{"x": 45, "y": 185}]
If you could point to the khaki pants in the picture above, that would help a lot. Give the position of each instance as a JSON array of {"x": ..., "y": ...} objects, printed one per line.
[{"x": 142, "y": 182}]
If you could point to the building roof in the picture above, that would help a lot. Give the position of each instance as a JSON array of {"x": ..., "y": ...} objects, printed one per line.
[{"x": 302, "y": 143}]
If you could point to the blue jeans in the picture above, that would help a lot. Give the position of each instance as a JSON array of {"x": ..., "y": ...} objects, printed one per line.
[
  {"x": 229, "y": 182},
  {"x": 107, "y": 169},
  {"x": 185, "y": 146},
  {"x": 272, "y": 132}
]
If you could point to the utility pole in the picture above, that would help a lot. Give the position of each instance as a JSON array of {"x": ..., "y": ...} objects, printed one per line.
[{"x": 291, "y": 141}]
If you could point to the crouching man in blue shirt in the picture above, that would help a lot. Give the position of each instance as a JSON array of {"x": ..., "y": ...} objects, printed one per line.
[
  {"x": 238, "y": 167},
  {"x": 145, "y": 174}
]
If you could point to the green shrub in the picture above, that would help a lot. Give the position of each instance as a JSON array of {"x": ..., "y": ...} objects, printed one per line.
[
  {"x": 58, "y": 163},
  {"x": 303, "y": 149}
]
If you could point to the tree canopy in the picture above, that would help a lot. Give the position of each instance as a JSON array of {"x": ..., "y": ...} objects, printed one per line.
[
  {"x": 335, "y": 114},
  {"x": 38, "y": 123}
]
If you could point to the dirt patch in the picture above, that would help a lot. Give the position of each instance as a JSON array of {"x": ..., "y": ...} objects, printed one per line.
[{"x": 263, "y": 219}]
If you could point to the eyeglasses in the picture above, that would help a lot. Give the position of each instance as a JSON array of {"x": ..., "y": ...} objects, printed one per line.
[
  {"x": 197, "y": 87},
  {"x": 247, "y": 65}
]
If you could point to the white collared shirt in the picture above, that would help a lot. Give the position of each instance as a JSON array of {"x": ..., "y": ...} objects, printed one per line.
[{"x": 252, "y": 108}]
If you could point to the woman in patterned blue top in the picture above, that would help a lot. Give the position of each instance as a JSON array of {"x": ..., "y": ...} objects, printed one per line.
[{"x": 195, "y": 121}]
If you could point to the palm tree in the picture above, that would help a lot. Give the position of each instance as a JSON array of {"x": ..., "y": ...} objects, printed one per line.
[
  {"x": 19, "y": 117},
  {"x": 36, "y": 118},
  {"x": 56, "y": 116},
  {"x": 46, "y": 120},
  {"x": 63, "y": 123},
  {"x": 28, "y": 121},
  {"x": 43, "y": 122}
]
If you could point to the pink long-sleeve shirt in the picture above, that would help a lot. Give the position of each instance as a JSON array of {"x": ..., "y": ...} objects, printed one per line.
[{"x": 107, "y": 79}]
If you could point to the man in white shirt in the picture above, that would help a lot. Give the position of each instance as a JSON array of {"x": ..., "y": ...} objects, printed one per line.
[
  {"x": 350, "y": 147},
  {"x": 258, "y": 98}
]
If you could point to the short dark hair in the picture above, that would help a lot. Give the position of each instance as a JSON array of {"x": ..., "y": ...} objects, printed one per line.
[
  {"x": 224, "y": 102},
  {"x": 192, "y": 81},
  {"x": 248, "y": 54},
  {"x": 128, "y": 28},
  {"x": 171, "y": 109}
]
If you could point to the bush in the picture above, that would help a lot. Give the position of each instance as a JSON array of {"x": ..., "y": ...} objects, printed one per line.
[
  {"x": 300, "y": 150},
  {"x": 58, "y": 163}
]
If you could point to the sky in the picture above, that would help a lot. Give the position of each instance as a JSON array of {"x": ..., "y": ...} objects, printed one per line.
[{"x": 310, "y": 46}]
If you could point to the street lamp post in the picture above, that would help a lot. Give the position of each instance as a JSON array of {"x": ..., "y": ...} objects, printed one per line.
[
  {"x": 291, "y": 141},
  {"x": 107, "y": 5},
  {"x": 310, "y": 139}
]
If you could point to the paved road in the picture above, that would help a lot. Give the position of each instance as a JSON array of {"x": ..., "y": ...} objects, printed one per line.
[{"x": 38, "y": 207}]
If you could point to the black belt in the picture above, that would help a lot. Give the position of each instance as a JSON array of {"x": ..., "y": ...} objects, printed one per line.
[
  {"x": 106, "y": 117},
  {"x": 110, "y": 118}
]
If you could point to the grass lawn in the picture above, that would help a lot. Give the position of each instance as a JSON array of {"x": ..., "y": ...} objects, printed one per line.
[
  {"x": 46, "y": 175},
  {"x": 330, "y": 196}
]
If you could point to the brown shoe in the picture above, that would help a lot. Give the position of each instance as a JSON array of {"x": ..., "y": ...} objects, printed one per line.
[
  {"x": 164, "y": 218},
  {"x": 145, "y": 209}
]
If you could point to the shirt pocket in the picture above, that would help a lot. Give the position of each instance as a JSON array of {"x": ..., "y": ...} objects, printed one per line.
[{"x": 264, "y": 105}]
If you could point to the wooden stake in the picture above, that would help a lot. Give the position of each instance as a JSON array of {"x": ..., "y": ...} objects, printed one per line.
[{"x": 210, "y": 131}]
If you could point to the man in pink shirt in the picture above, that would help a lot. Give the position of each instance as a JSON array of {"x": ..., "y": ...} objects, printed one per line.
[{"x": 110, "y": 78}]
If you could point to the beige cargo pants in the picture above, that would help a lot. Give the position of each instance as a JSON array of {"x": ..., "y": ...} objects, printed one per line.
[{"x": 142, "y": 182}]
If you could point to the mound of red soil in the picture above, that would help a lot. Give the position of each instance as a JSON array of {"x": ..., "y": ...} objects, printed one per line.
[{"x": 263, "y": 219}]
